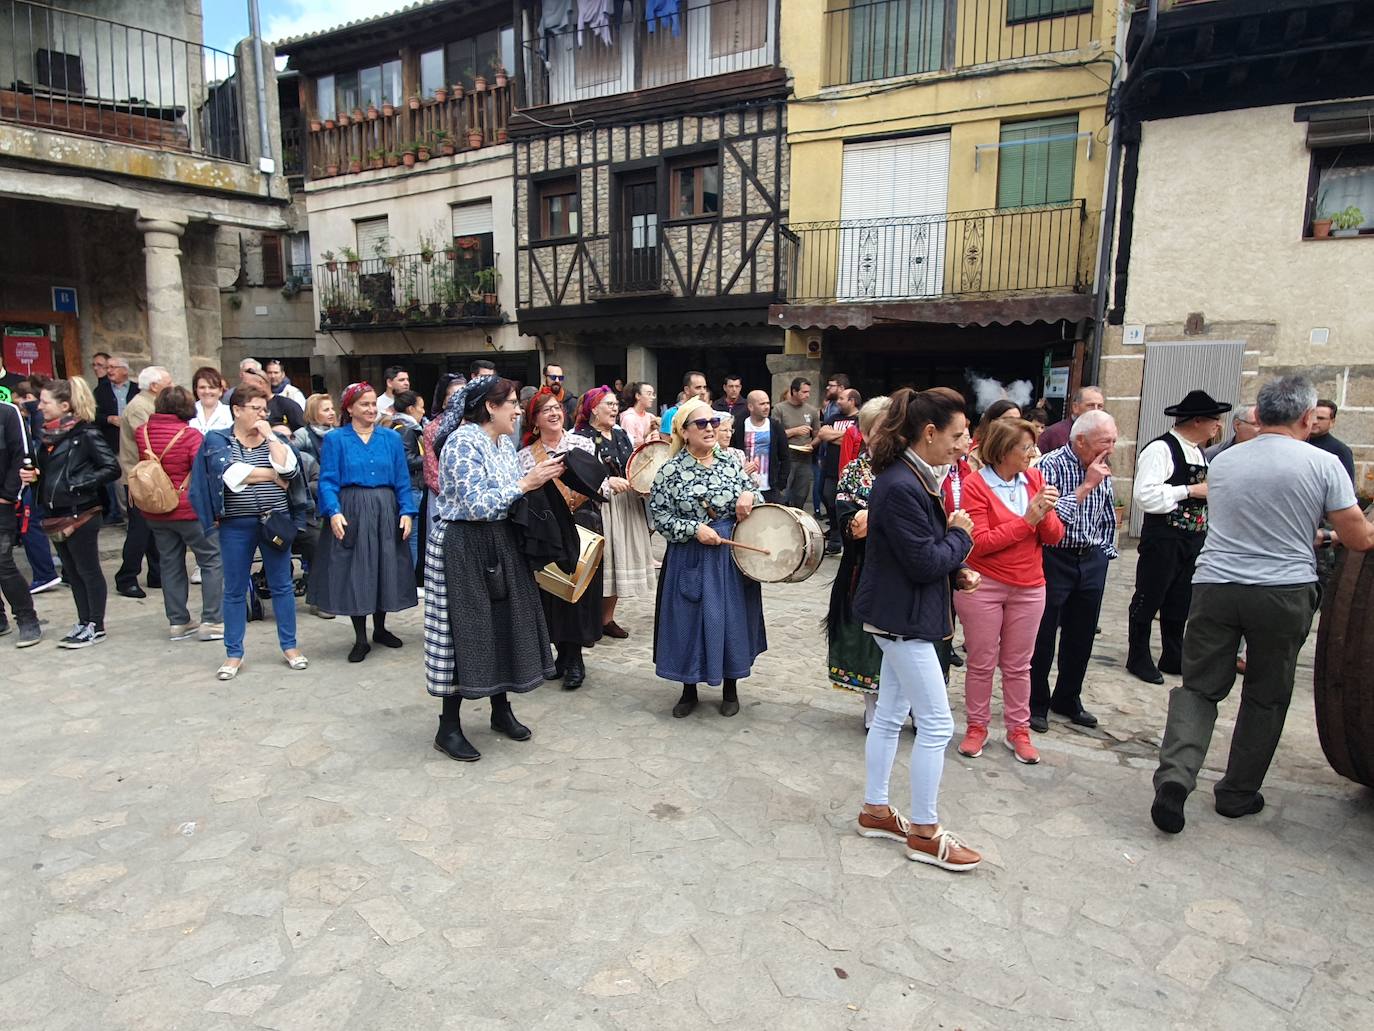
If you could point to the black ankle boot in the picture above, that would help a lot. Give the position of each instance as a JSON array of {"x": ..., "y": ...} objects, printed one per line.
[
  {"x": 560, "y": 665},
  {"x": 1138, "y": 661},
  {"x": 687, "y": 702},
  {"x": 450, "y": 739},
  {"x": 503, "y": 720},
  {"x": 575, "y": 672},
  {"x": 729, "y": 703}
]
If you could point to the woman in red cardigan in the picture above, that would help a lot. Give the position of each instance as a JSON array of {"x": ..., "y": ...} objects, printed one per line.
[
  {"x": 1013, "y": 516},
  {"x": 170, "y": 437}
]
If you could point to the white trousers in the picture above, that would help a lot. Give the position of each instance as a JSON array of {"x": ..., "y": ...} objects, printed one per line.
[{"x": 910, "y": 683}]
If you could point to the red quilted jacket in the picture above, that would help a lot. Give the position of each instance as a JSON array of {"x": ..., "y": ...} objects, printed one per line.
[{"x": 176, "y": 463}]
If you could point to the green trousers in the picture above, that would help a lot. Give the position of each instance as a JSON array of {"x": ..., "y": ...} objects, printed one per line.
[{"x": 1274, "y": 622}]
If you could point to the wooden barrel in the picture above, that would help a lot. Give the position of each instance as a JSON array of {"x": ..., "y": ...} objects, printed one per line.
[{"x": 1345, "y": 661}]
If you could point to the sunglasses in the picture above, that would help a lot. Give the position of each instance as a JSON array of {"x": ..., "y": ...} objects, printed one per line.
[
  {"x": 701, "y": 424},
  {"x": 555, "y": 379}
]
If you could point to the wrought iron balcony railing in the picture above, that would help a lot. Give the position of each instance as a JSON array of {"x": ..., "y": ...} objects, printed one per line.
[
  {"x": 701, "y": 38},
  {"x": 867, "y": 40},
  {"x": 1042, "y": 249},
  {"x": 427, "y": 289},
  {"x": 94, "y": 77}
]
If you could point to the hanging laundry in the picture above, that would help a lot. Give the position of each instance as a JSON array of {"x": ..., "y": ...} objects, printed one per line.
[
  {"x": 596, "y": 16},
  {"x": 557, "y": 16},
  {"x": 657, "y": 11}
]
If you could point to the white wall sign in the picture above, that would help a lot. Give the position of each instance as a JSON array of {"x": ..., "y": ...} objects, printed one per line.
[{"x": 1133, "y": 336}]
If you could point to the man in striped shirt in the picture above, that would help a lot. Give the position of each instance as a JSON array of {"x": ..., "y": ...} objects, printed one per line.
[{"x": 1075, "y": 568}]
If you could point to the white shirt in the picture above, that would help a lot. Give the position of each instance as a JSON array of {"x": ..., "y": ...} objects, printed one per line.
[
  {"x": 385, "y": 402},
  {"x": 1014, "y": 493},
  {"x": 1155, "y": 465},
  {"x": 222, "y": 418}
]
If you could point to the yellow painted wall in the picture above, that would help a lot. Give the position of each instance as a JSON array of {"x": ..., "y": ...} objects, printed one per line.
[{"x": 970, "y": 103}]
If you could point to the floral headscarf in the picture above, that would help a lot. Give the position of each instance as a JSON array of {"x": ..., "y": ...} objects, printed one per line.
[
  {"x": 590, "y": 400},
  {"x": 463, "y": 406},
  {"x": 352, "y": 392}
]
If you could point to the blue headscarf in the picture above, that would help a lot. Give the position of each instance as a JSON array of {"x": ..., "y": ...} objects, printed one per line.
[{"x": 462, "y": 407}]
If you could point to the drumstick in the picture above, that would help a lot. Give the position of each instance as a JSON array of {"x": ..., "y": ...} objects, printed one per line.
[{"x": 746, "y": 547}]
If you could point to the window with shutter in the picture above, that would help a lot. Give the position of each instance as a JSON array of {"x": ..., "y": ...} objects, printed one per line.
[
  {"x": 272, "y": 274},
  {"x": 1036, "y": 162},
  {"x": 373, "y": 238}
]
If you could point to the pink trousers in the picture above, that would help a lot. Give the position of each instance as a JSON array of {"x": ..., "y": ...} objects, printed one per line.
[{"x": 1000, "y": 625}]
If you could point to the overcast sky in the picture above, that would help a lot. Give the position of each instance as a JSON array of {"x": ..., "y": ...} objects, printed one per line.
[{"x": 226, "y": 21}]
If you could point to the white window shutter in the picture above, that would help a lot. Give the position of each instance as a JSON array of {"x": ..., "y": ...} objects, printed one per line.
[
  {"x": 472, "y": 219},
  {"x": 371, "y": 232}
]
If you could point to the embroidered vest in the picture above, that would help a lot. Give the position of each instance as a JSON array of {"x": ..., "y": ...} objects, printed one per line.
[{"x": 1190, "y": 516}]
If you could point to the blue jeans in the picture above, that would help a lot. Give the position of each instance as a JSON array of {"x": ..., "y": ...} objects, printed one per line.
[{"x": 238, "y": 540}]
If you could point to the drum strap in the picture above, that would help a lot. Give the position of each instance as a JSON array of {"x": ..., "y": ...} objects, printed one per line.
[{"x": 571, "y": 496}]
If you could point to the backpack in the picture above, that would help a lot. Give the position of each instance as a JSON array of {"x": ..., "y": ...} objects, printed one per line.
[{"x": 150, "y": 488}]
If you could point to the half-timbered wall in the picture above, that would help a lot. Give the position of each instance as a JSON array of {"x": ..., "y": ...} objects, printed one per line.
[{"x": 736, "y": 253}]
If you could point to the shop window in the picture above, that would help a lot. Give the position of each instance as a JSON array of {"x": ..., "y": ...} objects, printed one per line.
[
  {"x": 1035, "y": 162},
  {"x": 558, "y": 208}
]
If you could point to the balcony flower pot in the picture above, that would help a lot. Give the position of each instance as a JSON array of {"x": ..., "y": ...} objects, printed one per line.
[
  {"x": 451, "y": 253},
  {"x": 353, "y": 267},
  {"x": 1321, "y": 228},
  {"x": 426, "y": 255},
  {"x": 330, "y": 171},
  {"x": 414, "y": 102},
  {"x": 422, "y": 154},
  {"x": 479, "y": 83},
  {"x": 316, "y": 125},
  {"x": 333, "y": 266},
  {"x": 358, "y": 115},
  {"x": 500, "y": 76},
  {"x": 474, "y": 139},
  {"x": 491, "y": 301},
  {"x": 343, "y": 120},
  {"x": 502, "y": 136},
  {"x": 456, "y": 90},
  {"x": 329, "y": 123},
  {"x": 440, "y": 95},
  {"x": 355, "y": 166},
  {"x": 376, "y": 163},
  {"x": 393, "y": 159},
  {"x": 408, "y": 159},
  {"x": 447, "y": 149},
  {"x": 388, "y": 109},
  {"x": 435, "y": 309},
  {"x": 372, "y": 112}
]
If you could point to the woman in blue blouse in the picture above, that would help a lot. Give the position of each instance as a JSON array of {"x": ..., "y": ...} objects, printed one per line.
[
  {"x": 709, "y": 620},
  {"x": 363, "y": 564},
  {"x": 476, "y": 570}
]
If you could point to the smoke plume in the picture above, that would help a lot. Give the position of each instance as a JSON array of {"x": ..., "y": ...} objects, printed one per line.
[{"x": 986, "y": 390}]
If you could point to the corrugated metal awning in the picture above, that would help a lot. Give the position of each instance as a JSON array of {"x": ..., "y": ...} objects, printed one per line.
[{"x": 998, "y": 311}]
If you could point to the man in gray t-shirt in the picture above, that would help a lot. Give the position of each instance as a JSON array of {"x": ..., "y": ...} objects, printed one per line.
[{"x": 1256, "y": 580}]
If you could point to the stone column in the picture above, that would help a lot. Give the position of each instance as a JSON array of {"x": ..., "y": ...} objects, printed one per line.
[
  {"x": 641, "y": 365},
  {"x": 168, "y": 340}
]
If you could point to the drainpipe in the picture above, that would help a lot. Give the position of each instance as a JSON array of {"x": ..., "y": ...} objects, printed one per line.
[
  {"x": 1104, "y": 250},
  {"x": 266, "y": 165}
]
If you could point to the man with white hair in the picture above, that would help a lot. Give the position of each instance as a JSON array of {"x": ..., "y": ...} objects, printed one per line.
[
  {"x": 1256, "y": 579},
  {"x": 138, "y": 542},
  {"x": 113, "y": 391},
  {"x": 1075, "y": 568}
]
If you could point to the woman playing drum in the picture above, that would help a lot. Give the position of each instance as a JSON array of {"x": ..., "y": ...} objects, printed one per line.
[
  {"x": 708, "y": 625},
  {"x": 853, "y": 657},
  {"x": 572, "y": 625},
  {"x": 626, "y": 561}
]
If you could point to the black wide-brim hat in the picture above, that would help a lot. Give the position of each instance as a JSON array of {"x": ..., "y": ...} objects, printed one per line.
[
  {"x": 1197, "y": 404},
  {"x": 583, "y": 472}
]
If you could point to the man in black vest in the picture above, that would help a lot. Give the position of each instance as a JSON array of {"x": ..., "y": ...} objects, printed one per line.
[{"x": 1171, "y": 486}]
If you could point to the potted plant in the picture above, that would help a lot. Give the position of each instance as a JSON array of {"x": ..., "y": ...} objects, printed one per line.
[
  {"x": 350, "y": 257},
  {"x": 441, "y": 95},
  {"x": 1321, "y": 227},
  {"x": 502, "y": 136},
  {"x": 414, "y": 101},
  {"x": 331, "y": 169},
  {"x": 443, "y": 141},
  {"x": 316, "y": 125},
  {"x": 498, "y": 71},
  {"x": 455, "y": 90},
  {"x": 358, "y": 115},
  {"x": 355, "y": 165},
  {"x": 376, "y": 158},
  {"x": 1347, "y": 222},
  {"x": 372, "y": 111},
  {"x": 329, "y": 123},
  {"x": 479, "y": 81},
  {"x": 408, "y": 153},
  {"x": 388, "y": 108},
  {"x": 393, "y": 158},
  {"x": 422, "y": 151},
  {"x": 343, "y": 119},
  {"x": 486, "y": 286},
  {"x": 451, "y": 252},
  {"x": 330, "y": 262},
  {"x": 474, "y": 138},
  {"x": 426, "y": 248}
]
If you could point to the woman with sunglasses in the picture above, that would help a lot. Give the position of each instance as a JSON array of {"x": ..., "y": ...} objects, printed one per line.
[
  {"x": 628, "y": 556},
  {"x": 363, "y": 565},
  {"x": 708, "y": 623},
  {"x": 572, "y": 625}
]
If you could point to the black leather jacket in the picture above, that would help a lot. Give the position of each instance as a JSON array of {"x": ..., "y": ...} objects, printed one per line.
[{"x": 74, "y": 470}]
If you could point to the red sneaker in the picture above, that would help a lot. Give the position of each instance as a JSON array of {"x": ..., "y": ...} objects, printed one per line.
[
  {"x": 974, "y": 739},
  {"x": 1019, "y": 742},
  {"x": 892, "y": 826}
]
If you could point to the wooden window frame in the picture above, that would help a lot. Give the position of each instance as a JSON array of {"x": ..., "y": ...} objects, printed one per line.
[
  {"x": 1047, "y": 9},
  {"x": 273, "y": 270},
  {"x": 694, "y": 163},
  {"x": 545, "y": 190},
  {"x": 1322, "y": 158}
]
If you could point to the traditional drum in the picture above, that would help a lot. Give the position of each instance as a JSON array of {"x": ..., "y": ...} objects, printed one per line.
[
  {"x": 1345, "y": 651},
  {"x": 571, "y": 588},
  {"x": 792, "y": 539},
  {"x": 644, "y": 464}
]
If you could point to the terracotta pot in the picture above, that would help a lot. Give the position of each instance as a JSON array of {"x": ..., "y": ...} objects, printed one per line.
[
  {"x": 343, "y": 121},
  {"x": 423, "y": 154},
  {"x": 408, "y": 158},
  {"x": 1321, "y": 228},
  {"x": 501, "y": 79},
  {"x": 451, "y": 253},
  {"x": 388, "y": 110},
  {"x": 447, "y": 148},
  {"x": 440, "y": 95},
  {"x": 331, "y": 170},
  {"x": 371, "y": 112},
  {"x": 375, "y": 163},
  {"x": 414, "y": 103},
  {"x": 316, "y": 125},
  {"x": 329, "y": 123},
  {"x": 355, "y": 166},
  {"x": 474, "y": 139},
  {"x": 479, "y": 84},
  {"x": 456, "y": 91},
  {"x": 357, "y": 114},
  {"x": 502, "y": 136},
  {"x": 333, "y": 266},
  {"x": 392, "y": 161}
]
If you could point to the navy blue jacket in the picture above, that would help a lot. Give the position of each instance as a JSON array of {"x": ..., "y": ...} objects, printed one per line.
[
  {"x": 910, "y": 559},
  {"x": 207, "y": 482}
]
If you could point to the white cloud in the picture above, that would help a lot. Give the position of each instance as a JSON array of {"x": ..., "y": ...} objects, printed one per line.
[{"x": 298, "y": 17}]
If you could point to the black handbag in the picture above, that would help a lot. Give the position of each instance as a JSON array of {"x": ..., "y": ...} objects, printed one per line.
[{"x": 276, "y": 529}]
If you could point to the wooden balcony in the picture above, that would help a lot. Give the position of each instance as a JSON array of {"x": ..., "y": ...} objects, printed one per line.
[{"x": 408, "y": 134}]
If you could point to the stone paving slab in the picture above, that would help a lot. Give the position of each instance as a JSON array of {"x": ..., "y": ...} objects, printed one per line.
[{"x": 287, "y": 852}]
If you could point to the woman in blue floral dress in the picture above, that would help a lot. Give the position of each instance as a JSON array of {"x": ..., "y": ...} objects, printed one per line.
[
  {"x": 708, "y": 623},
  {"x": 479, "y": 588}
]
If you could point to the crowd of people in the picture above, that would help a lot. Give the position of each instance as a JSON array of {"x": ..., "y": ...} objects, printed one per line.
[{"x": 1003, "y": 530}]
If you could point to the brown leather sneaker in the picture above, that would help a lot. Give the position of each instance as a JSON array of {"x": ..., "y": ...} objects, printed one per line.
[
  {"x": 892, "y": 826},
  {"x": 941, "y": 849}
]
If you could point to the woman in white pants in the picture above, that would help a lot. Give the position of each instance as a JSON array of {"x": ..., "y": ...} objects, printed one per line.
[{"x": 915, "y": 560}]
